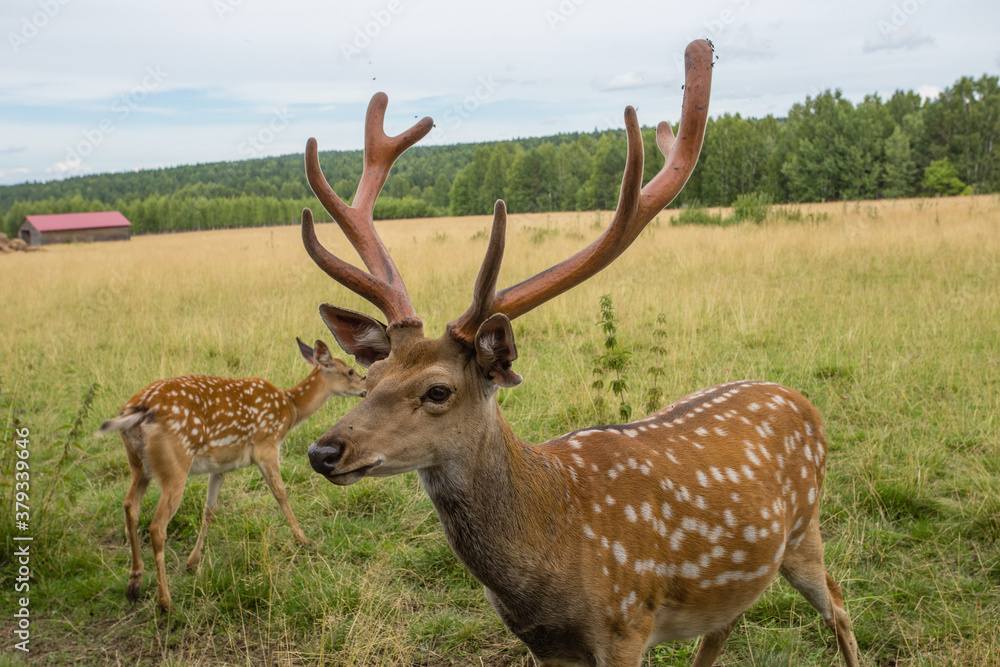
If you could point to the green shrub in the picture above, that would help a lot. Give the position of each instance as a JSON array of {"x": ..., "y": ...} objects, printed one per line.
[
  {"x": 752, "y": 207},
  {"x": 696, "y": 214}
]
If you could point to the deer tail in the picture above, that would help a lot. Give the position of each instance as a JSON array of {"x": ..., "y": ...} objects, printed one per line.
[{"x": 127, "y": 419}]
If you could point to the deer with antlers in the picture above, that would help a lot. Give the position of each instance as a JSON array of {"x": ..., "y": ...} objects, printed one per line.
[
  {"x": 601, "y": 543},
  {"x": 207, "y": 425}
]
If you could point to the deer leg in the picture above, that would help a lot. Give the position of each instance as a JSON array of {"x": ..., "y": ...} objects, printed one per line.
[
  {"x": 211, "y": 504},
  {"x": 170, "y": 500},
  {"x": 133, "y": 501},
  {"x": 170, "y": 465},
  {"x": 711, "y": 645},
  {"x": 803, "y": 569},
  {"x": 268, "y": 464}
]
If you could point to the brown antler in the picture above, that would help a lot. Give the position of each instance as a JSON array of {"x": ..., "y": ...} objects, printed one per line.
[
  {"x": 636, "y": 205},
  {"x": 383, "y": 286}
]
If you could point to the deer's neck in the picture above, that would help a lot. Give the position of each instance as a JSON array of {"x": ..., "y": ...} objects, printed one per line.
[
  {"x": 501, "y": 504},
  {"x": 306, "y": 397}
]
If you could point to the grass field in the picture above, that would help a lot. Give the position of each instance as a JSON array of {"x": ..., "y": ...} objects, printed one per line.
[{"x": 885, "y": 314}]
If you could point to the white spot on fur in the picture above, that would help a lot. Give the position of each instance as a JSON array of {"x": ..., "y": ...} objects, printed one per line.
[
  {"x": 690, "y": 571},
  {"x": 619, "y": 551}
]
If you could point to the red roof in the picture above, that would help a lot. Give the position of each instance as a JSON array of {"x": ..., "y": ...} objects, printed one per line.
[{"x": 67, "y": 221}]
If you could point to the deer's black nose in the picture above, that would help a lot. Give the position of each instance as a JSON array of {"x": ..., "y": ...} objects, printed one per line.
[{"x": 324, "y": 455}]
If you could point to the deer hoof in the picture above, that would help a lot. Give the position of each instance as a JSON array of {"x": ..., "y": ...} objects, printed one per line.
[{"x": 134, "y": 586}]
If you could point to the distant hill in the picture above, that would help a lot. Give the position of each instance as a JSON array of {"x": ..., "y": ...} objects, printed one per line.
[
  {"x": 827, "y": 149},
  {"x": 282, "y": 176}
]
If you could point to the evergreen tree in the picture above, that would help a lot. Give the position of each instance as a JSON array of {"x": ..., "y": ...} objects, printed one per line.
[
  {"x": 601, "y": 189},
  {"x": 533, "y": 181},
  {"x": 900, "y": 167}
]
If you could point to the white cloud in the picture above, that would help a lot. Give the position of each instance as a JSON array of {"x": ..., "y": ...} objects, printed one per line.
[
  {"x": 897, "y": 38},
  {"x": 225, "y": 74},
  {"x": 68, "y": 168},
  {"x": 15, "y": 173},
  {"x": 929, "y": 92},
  {"x": 740, "y": 43},
  {"x": 629, "y": 81}
]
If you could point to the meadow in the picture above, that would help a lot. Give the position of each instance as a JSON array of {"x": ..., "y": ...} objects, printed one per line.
[{"x": 885, "y": 314}]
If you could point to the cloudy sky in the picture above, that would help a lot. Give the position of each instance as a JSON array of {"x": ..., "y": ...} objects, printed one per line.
[{"x": 92, "y": 86}]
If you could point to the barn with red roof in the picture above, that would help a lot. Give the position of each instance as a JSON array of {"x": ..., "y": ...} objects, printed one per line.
[{"x": 100, "y": 226}]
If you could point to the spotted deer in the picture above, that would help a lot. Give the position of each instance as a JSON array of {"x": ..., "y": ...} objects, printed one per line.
[
  {"x": 598, "y": 544},
  {"x": 197, "y": 425}
]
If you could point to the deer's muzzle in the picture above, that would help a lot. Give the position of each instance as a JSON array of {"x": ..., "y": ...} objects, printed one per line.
[
  {"x": 324, "y": 454},
  {"x": 326, "y": 457}
]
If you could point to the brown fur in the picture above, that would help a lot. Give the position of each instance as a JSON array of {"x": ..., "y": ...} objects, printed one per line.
[
  {"x": 598, "y": 544},
  {"x": 198, "y": 425}
]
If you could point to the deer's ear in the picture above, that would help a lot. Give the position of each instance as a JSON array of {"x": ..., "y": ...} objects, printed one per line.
[
  {"x": 322, "y": 354},
  {"x": 495, "y": 351},
  {"x": 358, "y": 335},
  {"x": 307, "y": 352}
]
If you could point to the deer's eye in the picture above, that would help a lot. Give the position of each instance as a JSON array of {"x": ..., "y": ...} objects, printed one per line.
[
  {"x": 351, "y": 372},
  {"x": 438, "y": 394}
]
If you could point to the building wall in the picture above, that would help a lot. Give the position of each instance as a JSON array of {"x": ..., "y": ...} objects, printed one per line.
[
  {"x": 29, "y": 234},
  {"x": 83, "y": 235},
  {"x": 32, "y": 236}
]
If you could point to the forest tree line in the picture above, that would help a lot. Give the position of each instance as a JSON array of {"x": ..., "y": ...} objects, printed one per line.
[{"x": 827, "y": 148}]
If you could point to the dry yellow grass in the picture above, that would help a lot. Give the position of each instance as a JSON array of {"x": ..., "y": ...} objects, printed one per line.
[{"x": 884, "y": 313}]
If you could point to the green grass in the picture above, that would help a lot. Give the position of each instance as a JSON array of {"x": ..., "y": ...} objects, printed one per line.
[{"x": 884, "y": 314}]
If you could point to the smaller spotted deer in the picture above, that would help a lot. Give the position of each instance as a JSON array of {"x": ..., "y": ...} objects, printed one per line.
[{"x": 198, "y": 424}]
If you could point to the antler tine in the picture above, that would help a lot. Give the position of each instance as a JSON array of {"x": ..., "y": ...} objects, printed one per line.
[
  {"x": 394, "y": 303},
  {"x": 464, "y": 328},
  {"x": 381, "y": 151},
  {"x": 357, "y": 221},
  {"x": 636, "y": 207}
]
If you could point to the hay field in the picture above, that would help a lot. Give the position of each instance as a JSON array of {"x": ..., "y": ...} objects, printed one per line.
[{"x": 886, "y": 314}]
